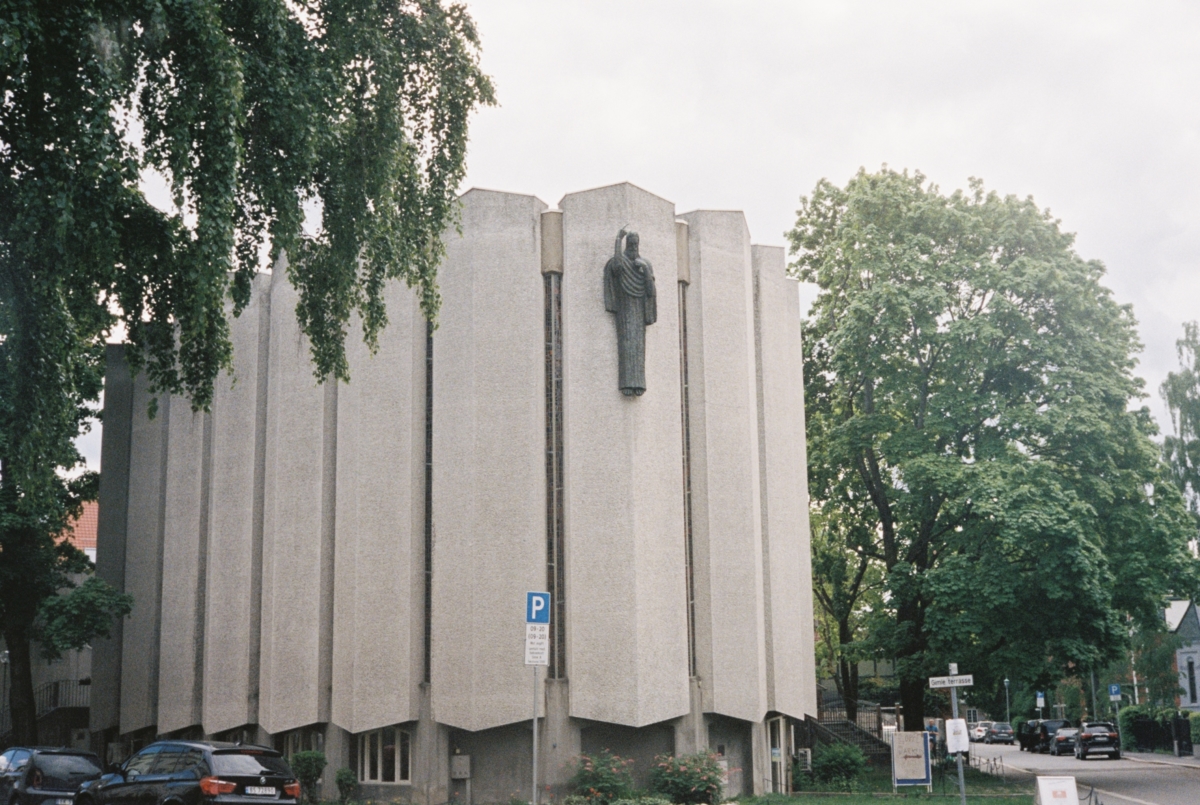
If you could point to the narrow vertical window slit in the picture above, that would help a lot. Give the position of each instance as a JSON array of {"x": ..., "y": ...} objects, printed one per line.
[
  {"x": 555, "y": 570},
  {"x": 687, "y": 479}
]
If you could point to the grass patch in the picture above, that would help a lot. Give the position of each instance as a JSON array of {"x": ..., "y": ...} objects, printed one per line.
[{"x": 876, "y": 784}]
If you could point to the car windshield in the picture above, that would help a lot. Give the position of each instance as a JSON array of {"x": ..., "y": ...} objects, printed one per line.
[
  {"x": 242, "y": 764},
  {"x": 64, "y": 772}
]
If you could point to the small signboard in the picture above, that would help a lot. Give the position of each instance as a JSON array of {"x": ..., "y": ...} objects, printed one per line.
[
  {"x": 1114, "y": 693},
  {"x": 957, "y": 739},
  {"x": 537, "y": 629},
  {"x": 964, "y": 681},
  {"x": 1057, "y": 791},
  {"x": 910, "y": 759},
  {"x": 1041, "y": 699}
]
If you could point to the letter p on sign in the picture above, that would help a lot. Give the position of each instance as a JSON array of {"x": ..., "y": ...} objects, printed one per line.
[{"x": 537, "y": 607}]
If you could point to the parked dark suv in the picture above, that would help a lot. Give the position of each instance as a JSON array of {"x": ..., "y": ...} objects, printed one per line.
[
  {"x": 44, "y": 776},
  {"x": 998, "y": 733},
  {"x": 196, "y": 773},
  {"x": 1097, "y": 737}
]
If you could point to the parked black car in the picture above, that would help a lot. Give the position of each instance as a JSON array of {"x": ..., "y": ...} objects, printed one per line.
[
  {"x": 1027, "y": 735},
  {"x": 1064, "y": 741},
  {"x": 196, "y": 773},
  {"x": 1035, "y": 735},
  {"x": 45, "y": 776},
  {"x": 1097, "y": 737},
  {"x": 998, "y": 733}
]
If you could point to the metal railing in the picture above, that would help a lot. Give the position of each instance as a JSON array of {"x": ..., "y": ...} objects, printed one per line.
[
  {"x": 50, "y": 697},
  {"x": 867, "y": 716}
]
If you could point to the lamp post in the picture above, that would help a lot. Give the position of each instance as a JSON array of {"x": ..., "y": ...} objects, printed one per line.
[{"x": 1007, "y": 715}]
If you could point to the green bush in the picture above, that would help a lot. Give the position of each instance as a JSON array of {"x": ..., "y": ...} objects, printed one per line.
[
  {"x": 642, "y": 801},
  {"x": 603, "y": 778},
  {"x": 838, "y": 764},
  {"x": 687, "y": 778},
  {"x": 347, "y": 784},
  {"x": 1195, "y": 719},
  {"x": 1125, "y": 725},
  {"x": 308, "y": 767}
]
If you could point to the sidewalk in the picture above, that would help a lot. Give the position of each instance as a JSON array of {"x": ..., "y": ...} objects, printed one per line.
[{"x": 1169, "y": 760}]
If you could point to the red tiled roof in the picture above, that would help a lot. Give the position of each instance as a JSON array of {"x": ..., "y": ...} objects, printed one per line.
[{"x": 82, "y": 532}]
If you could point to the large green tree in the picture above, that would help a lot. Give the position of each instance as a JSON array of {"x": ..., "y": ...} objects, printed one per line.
[
  {"x": 249, "y": 109},
  {"x": 968, "y": 383},
  {"x": 1181, "y": 391}
]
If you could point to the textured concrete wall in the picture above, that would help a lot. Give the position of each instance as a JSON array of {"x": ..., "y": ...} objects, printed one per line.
[
  {"x": 297, "y": 540},
  {"x": 110, "y": 531},
  {"x": 378, "y": 633},
  {"x": 185, "y": 547},
  {"x": 726, "y": 523},
  {"x": 489, "y": 478},
  {"x": 793, "y": 684},
  {"x": 143, "y": 559},
  {"x": 626, "y": 603},
  {"x": 234, "y": 587}
]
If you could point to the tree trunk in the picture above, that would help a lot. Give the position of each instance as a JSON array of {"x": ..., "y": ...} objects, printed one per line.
[
  {"x": 912, "y": 699},
  {"x": 20, "y": 692},
  {"x": 849, "y": 671}
]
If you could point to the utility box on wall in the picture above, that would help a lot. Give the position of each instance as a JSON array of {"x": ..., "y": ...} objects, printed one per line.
[{"x": 460, "y": 767}]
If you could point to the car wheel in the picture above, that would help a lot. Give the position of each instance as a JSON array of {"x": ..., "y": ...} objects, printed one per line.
[
  {"x": 1083, "y": 755},
  {"x": 1116, "y": 755}
]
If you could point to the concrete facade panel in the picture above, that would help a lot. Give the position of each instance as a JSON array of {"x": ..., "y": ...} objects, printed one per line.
[
  {"x": 726, "y": 510},
  {"x": 293, "y": 532},
  {"x": 184, "y": 550},
  {"x": 110, "y": 532},
  {"x": 143, "y": 560},
  {"x": 489, "y": 480},
  {"x": 231, "y": 637},
  {"x": 793, "y": 684},
  {"x": 626, "y": 600},
  {"x": 378, "y": 585}
]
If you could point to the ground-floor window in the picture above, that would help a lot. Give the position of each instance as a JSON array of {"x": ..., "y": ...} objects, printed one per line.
[
  {"x": 384, "y": 756},
  {"x": 304, "y": 739}
]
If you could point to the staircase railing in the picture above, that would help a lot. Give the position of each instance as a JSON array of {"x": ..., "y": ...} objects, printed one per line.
[
  {"x": 50, "y": 697},
  {"x": 868, "y": 716}
]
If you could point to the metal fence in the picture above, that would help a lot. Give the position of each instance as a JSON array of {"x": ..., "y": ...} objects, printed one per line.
[
  {"x": 50, "y": 697},
  {"x": 1150, "y": 734}
]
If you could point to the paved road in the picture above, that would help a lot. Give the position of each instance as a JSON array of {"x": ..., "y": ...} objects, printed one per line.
[{"x": 1117, "y": 782}]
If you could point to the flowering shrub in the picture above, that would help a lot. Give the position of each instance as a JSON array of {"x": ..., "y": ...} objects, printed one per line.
[
  {"x": 688, "y": 778},
  {"x": 603, "y": 778}
]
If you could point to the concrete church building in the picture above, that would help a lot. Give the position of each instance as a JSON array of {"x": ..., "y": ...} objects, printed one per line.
[{"x": 344, "y": 566}]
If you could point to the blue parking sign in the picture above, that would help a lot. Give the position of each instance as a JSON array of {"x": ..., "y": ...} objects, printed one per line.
[
  {"x": 537, "y": 607},
  {"x": 1114, "y": 693}
]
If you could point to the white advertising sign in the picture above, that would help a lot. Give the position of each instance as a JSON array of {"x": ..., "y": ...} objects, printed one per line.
[
  {"x": 957, "y": 739},
  {"x": 537, "y": 644},
  {"x": 910, "y": 759},
  {"x": 964, "y": 681},
  {"x": 1057, "y": 791}
]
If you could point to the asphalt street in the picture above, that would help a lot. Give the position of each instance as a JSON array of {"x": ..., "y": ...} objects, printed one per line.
[{"x": 1145, "y": 780}]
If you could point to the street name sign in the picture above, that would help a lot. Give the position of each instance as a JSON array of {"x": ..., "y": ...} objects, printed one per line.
[
  {"x": 1114, "y": 693},
  {"x": 963, "y": 681}
]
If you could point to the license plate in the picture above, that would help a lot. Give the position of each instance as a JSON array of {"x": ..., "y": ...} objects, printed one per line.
[
  {"x": 1102, "y": 740},
  {"x": 63, "y": 801},
  {"x": 260, "y": 790}
]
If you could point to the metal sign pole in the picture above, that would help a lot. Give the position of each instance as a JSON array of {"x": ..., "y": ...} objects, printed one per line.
[
  {"x": 534, "y": 799},
  {"x": 962, "y": 786}
]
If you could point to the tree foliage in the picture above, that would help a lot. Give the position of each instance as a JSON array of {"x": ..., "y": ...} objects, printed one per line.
[
  {"x": 968, "y": 383},
  {"x": 249, "y": 109},
  {"x": 1181, "y": 391}
]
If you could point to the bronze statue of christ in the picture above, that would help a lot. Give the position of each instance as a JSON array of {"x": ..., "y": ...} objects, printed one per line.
[{"x": 629, "y": 293}]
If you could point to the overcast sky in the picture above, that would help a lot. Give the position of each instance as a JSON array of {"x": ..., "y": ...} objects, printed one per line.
[{"x": 1092, "y": 108}]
